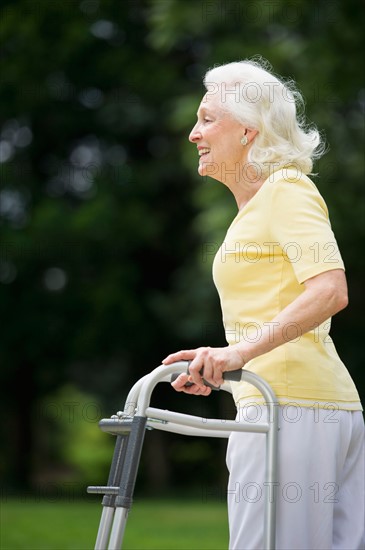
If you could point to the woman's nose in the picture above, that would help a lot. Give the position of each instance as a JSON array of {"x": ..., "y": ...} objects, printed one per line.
[{"x": 195, "y": 135}]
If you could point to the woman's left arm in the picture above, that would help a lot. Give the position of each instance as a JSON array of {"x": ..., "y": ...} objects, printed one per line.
[{"x": 324, "y": 296}]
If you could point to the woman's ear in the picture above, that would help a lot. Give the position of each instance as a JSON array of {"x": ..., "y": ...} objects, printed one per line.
[{"x": 250, "y": 134}]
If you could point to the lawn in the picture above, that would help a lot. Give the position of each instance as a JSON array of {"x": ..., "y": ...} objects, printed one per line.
[{"x": 152, "y": 524}]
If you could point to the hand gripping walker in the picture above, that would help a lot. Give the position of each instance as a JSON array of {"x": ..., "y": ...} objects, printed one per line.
[{"x": 130, "y": 425}]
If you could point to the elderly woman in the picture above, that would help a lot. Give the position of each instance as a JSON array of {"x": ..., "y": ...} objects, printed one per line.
[{"x": 280, "y": 278}]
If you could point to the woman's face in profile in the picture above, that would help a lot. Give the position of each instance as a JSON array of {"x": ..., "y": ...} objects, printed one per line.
[{"x": 217, "y": 136}]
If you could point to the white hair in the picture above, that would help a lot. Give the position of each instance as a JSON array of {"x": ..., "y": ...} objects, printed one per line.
[{"x": 250, "y": 93}]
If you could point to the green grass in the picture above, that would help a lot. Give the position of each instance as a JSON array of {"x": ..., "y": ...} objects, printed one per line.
[{"x": 152, "y": 524}]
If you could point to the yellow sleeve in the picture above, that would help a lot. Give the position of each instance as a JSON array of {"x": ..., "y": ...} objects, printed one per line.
[{"x": 301, "y": 226}]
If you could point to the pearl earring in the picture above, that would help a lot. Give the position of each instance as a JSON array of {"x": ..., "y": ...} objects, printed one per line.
[{"x": 244, "y": 140}]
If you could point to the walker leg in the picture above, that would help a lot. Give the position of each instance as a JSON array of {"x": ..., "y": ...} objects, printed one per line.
[
  {"x": 104, "y": 528},
  {"x": 271, "y": 479},
  {"x": 123, "y": 502},
  {"x": 108, "y": 502},
  {"x": 120, "y": 521}
]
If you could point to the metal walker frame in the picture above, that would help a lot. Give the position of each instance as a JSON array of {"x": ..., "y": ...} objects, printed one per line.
[{"x": 129, "y": 428}]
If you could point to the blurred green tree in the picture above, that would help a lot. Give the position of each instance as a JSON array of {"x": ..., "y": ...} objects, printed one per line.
[
  {"x": 107, "y": 233},
  {"x": 90, "y": 220}
]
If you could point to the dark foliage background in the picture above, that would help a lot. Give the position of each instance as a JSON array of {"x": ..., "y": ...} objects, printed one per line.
[{"x": 106, "y": 229}]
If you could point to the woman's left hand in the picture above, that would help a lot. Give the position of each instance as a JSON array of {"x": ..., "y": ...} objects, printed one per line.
[{"x": 213, "y": 362}]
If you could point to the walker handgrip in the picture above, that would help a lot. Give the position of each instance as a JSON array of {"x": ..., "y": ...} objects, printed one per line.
[{"x": 233, "y": 376}]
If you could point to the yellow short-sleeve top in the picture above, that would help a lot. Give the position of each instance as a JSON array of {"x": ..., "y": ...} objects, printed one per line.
[{"x": 278, "y": 240}]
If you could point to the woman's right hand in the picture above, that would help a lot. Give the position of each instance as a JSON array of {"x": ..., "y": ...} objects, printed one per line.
[{"x": 180, "y": 385}]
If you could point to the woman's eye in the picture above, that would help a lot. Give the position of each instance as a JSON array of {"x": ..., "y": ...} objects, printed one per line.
[{"x": 207, "y": 120}]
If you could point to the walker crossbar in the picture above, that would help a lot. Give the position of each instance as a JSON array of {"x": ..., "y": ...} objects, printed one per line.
[
  {"x": 208, "y": 423},
  {"x": 130, "y": 426}
]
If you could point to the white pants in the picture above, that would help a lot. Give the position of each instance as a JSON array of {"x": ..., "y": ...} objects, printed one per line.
[{"x": 321, "y": 492}]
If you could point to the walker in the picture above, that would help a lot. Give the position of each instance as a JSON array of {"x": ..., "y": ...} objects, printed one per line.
[{"x": 129, "y": 427}]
